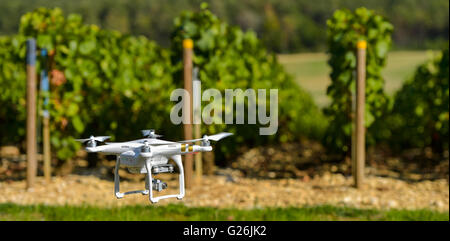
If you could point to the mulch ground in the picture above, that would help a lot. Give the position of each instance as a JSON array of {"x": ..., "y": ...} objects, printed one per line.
[
  {"x": 227, "y": 191},
  {"x": 303, "y": 179}
]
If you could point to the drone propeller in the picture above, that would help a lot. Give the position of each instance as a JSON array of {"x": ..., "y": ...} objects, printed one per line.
[
  {"x": 91, "y": 141},
  {"x": 205, "y": 140},
  {"x": 150, "y": 133}
]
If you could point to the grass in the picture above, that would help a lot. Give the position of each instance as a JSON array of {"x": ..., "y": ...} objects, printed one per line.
[
  {"x": 182, "y": 213},
  {"x": 311, "y": 71}
]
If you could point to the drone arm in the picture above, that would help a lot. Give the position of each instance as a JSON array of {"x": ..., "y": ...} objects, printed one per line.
[
  {"x": 197, "y": 148},
  {"x": 180, "y": 149}
]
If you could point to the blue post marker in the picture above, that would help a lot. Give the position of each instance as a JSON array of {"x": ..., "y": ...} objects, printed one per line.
[
  {"x": 31, "y": 52},
  {"x": 44, "y": 83},
  {"x": 31, "y": 113},
  {"x": 45, "y": 89}
]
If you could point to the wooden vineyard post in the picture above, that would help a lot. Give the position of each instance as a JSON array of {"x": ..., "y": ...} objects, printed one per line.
[
  {"x": 196, "y": 102},
  {"x": 187, "y": 66},
  {"x": 46, "y": 118},
  {"x": 47, "y": 153},
  {"x": 360, "y": 108},
  {"x": 31, "y": 113}
]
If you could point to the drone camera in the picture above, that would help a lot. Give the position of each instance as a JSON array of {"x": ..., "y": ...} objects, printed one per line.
[{"x": 158, "y": 185}]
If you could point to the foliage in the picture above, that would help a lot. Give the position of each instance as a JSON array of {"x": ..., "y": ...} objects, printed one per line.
[
  {"x": 12, "y": 94},
  {"x": 101, "y": 81},
  {"x": 229, "y": 58},
  {"x": 283, "y": 25},
  {"x": 345, "y": 28},
  {"x": 104, "y": 82},
  {"x": 420, "y": 115}
]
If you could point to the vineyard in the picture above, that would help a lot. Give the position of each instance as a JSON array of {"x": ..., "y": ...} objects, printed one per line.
[
  {"x": 105, "y": 82},
  {"x": 136, "y": 76}
]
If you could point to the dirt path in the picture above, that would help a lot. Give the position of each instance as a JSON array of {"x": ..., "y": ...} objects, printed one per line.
[{"x": 219, "y": 191}]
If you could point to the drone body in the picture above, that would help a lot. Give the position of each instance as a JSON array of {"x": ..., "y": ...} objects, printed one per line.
[{"x": 150, "y": 156}]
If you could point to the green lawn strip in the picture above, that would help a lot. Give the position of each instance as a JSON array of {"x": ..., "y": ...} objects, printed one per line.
[{"x": 181, "y": 212}]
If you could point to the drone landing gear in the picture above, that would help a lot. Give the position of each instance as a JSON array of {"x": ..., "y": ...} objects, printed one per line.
[
  {"x": 117, "y": 192},
  {"x": 157, "y": 185},
  {"x": 148, "y": 166}
]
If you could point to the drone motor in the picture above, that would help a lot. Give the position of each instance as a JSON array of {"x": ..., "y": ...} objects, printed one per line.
[
  {"x": 145, "y": 148},
  {"x": 92, "y": 140}
]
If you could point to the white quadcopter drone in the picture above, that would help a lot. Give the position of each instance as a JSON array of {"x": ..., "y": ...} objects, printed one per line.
[{"x": 150, "y": 155}]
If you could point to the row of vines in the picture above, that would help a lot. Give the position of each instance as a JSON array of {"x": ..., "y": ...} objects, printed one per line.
[
  {"x": 420, "y": 111},
  {"x": 96, "y": 80},
  {"x": 417, "y": 115},
  {"x": 345, "y": 29},
  {"x": 107, "y": 83}
]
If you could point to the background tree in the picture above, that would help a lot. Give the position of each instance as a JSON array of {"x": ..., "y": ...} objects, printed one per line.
[{"x": 301, "y": 23}]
